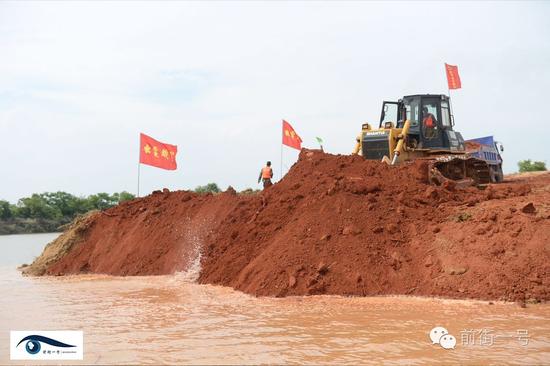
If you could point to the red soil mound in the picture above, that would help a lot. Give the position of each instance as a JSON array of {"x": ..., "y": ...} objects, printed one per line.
[{"x": 336, "y": 225}]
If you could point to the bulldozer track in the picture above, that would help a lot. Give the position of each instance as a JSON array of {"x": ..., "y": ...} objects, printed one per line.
[{"x": 459, "y": 168}]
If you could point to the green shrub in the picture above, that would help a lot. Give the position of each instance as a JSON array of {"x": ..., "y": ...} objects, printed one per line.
[
  {"x": 531, "y": 166},
  {"x": 209, "y": 188}
]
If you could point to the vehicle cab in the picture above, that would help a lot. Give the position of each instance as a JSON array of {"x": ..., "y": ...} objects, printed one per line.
[{"x": 431, "y": 121}]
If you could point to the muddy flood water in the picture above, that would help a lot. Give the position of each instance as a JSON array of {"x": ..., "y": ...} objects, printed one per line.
[{"x": 170, "y": 319}]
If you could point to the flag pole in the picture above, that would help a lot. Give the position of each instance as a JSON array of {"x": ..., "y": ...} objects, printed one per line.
[
  {"x": 281, "y": 160},
  {"x": 282, "y": 137},
  {"x": 451, "y": 106},
  {"x": 139, "y": 166}
]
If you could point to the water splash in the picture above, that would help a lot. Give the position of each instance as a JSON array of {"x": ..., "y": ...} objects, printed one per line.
[
  {"x": 191, "y": 236},
  {"x": 192, "y": 273}
]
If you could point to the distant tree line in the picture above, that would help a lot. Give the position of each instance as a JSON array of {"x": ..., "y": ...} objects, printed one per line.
[
  {"x": 531, "y": 166},
  {"x": 58, "y": 205},
  {"x": 47, "y": 211}
]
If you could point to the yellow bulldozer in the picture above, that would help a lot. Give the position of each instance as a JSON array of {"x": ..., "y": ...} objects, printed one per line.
[{"x": 421, "y": 127}]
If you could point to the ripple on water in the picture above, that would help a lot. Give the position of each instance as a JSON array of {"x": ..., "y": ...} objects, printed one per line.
[{"x": 171, "y": 319}]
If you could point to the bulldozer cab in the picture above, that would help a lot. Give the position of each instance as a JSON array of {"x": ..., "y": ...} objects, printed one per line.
[{"x": 430, "y": 117}]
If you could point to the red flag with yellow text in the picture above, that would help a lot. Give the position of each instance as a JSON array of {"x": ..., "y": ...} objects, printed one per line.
[
  {"x": 452, "y": 77},
  {"x": 156, "y": 153},
  {"x": 290, "y": 137}
]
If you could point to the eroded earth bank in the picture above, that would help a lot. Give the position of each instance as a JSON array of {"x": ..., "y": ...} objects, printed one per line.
[{"x": 334, "y": 225}]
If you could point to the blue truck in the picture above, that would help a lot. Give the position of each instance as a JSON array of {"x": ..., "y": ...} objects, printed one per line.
[{"x": 487, "y": 149}]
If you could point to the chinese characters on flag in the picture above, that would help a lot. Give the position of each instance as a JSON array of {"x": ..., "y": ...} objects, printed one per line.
[
  {"x": 290, "y": 137},
  {"x": 157, "y": 154},
  {"x": 452, "y": 77}
]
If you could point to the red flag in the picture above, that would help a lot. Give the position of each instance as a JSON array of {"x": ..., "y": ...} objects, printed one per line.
[
  {"x": 290, "y": 137},
  {"x": 158, "y": 154},
  {"x": 452, "y": 77}
]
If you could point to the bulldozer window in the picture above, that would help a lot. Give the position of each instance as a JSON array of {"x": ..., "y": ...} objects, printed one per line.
[
  {"x": 430, "y": 126},
  {"x": 389, "y": 113},
  {"x": 432, "y": 109},
  {"x": 445, "y": 115},
  {"x": 412, "y": 112}
]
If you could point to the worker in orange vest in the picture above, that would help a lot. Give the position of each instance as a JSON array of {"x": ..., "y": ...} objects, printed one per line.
[
  {"x": 430, "y": 124},
  {"x": 266, "y": 174}
]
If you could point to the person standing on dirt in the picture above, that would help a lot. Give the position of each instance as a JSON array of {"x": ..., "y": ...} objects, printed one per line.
[{"x": 266, "y": 174}]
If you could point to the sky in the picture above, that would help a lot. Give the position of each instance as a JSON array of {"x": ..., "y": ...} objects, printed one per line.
[{"x": 80, "y": 80}]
